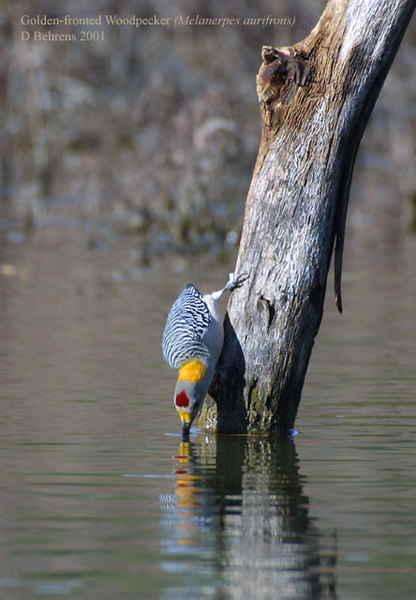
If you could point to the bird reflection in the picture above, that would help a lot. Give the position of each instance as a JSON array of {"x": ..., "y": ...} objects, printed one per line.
[
  {"x": 186, "y": 481},
  {"x": 238, "y": 523}
]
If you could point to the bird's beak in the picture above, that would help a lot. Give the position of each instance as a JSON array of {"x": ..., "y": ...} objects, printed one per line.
[
  {"x": 185, "y": 430},
  {"x": 185, "y": 417}
]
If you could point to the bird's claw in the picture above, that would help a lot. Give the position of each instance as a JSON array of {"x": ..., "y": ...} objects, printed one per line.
[{"x": 236, "y": 282}]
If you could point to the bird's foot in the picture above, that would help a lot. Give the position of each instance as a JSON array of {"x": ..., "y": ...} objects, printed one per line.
[
  {"x": 236, "y": 282},
  {"x": 232, "y": 284}
]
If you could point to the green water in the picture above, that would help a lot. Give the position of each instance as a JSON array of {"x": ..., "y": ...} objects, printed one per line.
[{"x": 99, "y": 498}]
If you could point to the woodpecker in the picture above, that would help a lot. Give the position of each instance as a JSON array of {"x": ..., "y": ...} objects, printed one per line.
[{"x": 192, "y": 343}]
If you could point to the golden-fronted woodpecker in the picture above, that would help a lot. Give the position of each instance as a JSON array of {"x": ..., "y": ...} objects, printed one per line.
[{"x": 192, "y": 343}]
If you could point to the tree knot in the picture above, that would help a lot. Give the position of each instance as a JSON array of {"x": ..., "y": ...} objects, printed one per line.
[{"x": 280, "y": 75}]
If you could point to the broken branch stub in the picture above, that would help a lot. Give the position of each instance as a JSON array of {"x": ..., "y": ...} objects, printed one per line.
[{"x": 281, "y": 73}]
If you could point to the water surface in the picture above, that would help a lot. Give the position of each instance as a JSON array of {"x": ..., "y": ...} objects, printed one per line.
[{"x": 101, "y": 499}]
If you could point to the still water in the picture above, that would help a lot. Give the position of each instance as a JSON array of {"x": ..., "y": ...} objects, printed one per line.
[{"x": 99, "y": 497}]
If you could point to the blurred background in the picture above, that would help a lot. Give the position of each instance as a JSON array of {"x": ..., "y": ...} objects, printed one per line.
[
  {"x": 151, "y": 134},
  {"x": 124, "y": 168}
]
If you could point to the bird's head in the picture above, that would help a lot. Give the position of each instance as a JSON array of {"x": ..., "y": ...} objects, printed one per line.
[{"x": 190, "y": 391}]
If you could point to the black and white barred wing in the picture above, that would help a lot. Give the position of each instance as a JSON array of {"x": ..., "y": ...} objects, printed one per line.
[{"x": 187, "y": 322}]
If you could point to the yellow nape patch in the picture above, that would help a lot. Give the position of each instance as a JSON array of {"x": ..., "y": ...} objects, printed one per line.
[{"x": 193, "y": 371}]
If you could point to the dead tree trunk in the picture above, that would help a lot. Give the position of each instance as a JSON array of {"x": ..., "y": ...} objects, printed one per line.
[{"x": 315, "y": 101}]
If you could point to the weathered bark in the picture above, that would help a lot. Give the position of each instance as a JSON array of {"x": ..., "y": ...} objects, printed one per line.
[{"x": 315, "y": 100}]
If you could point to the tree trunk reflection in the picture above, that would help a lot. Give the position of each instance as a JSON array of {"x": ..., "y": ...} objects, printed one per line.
[{"x": 238, "y": 523}]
